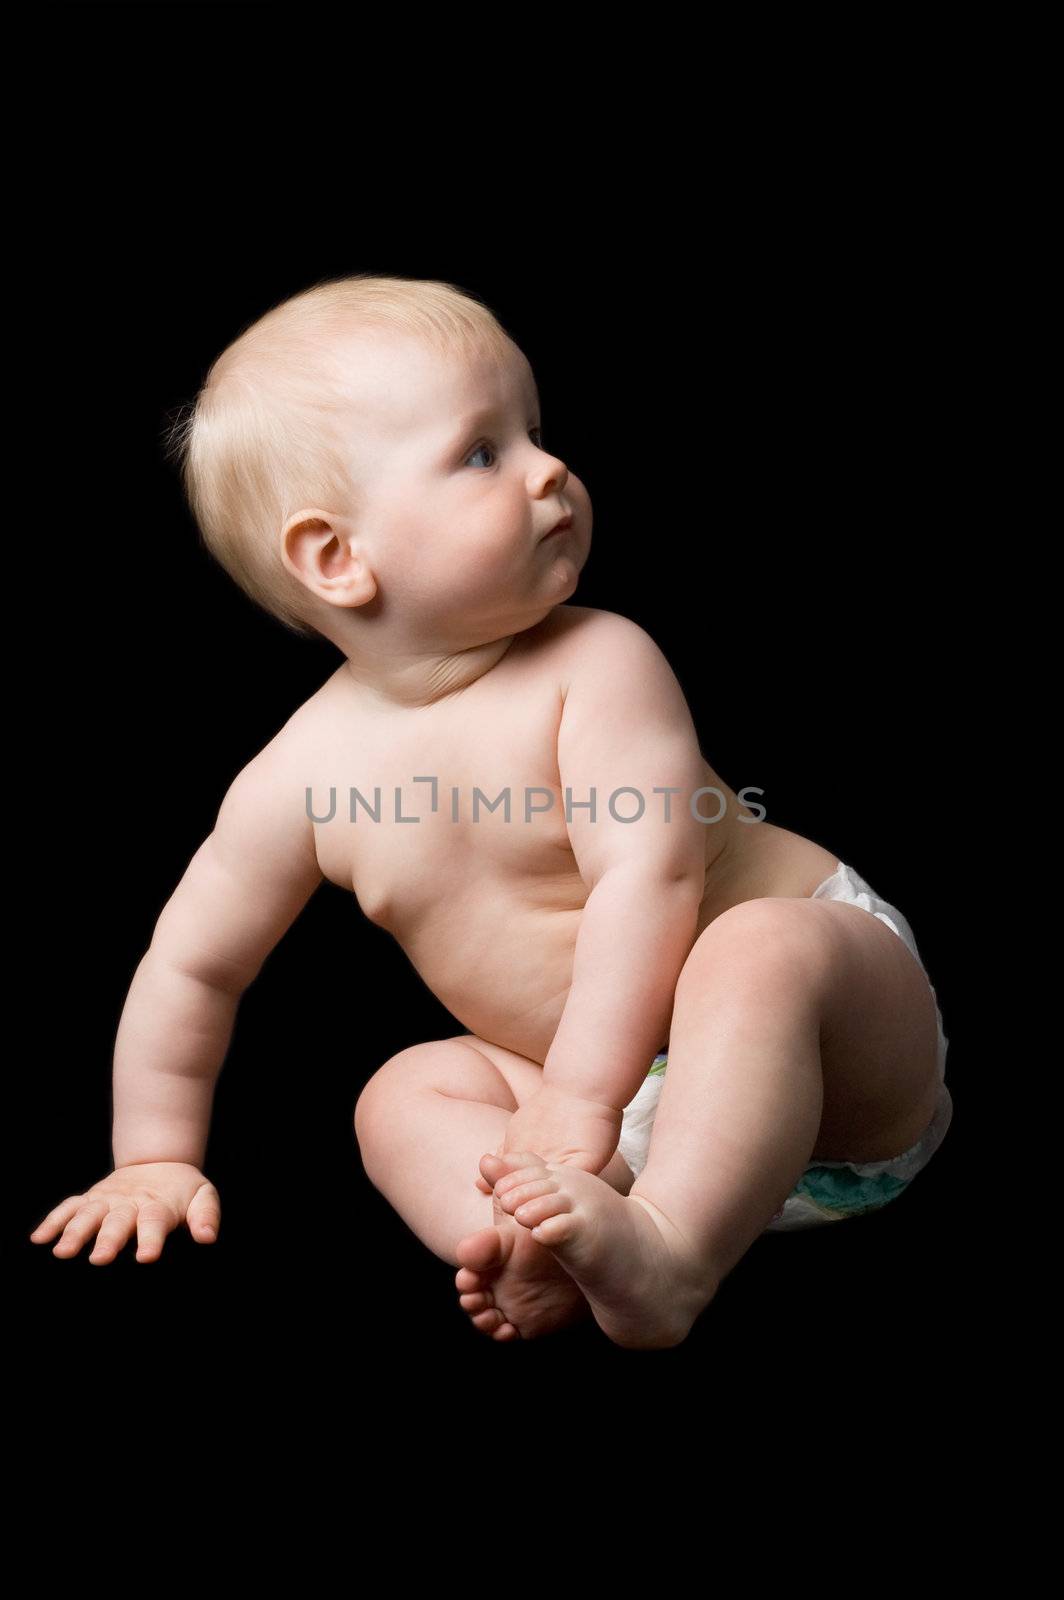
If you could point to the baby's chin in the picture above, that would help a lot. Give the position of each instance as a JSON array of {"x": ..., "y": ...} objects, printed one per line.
[{"x": 567, "y": 568}]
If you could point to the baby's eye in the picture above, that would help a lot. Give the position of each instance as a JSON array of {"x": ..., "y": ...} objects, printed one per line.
[
  {"x": 535, "y": 434},
  {"x": 479, "y": 449}
]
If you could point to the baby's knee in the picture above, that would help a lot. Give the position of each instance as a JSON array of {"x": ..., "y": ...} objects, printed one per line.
[
  {"x": 380, "y": 1096},
  {"x": 439, "y": 1067},
  {"x": 769, "y": 947}
]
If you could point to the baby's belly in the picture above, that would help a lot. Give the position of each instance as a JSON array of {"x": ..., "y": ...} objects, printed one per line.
[{"x": 504, "y": 979}]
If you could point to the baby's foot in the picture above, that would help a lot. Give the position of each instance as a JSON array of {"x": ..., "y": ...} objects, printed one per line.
[
  {"x": 644, "y": 1284},
  {"x": 512, "y": 1287}
]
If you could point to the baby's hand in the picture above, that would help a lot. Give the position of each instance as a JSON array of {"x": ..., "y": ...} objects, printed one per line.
[
  {"x": 563, "y": 1128},
  {"x": 150, "y": 1197}
]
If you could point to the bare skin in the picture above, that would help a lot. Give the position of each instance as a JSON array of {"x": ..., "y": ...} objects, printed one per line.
[
  {"x": 794, "y": 1021},
  {"x": 459, "y": 914},
  {"x": 569, "y": 949},
  {"x": 632, "y": 1267}
]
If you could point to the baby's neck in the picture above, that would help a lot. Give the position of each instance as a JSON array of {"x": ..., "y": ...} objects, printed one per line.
[{"x": 409, "y": 680}]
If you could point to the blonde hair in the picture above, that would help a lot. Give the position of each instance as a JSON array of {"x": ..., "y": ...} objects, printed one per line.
[{"x": 262, "y": 438}]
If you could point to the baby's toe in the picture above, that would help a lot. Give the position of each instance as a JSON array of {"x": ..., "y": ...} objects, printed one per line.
[
  {"x": 555, "y": 1230},
  {"x": 510, "y": 1199},
  {"x": 489, "y": 1321},
  {"x": 531, "y": 1172},
  {"x": 529, "y": 1213},
  {"x": 480, "y": 1301},
  {"x": 484, "y": 1252},
  {"x": 493, "y": 1167}
]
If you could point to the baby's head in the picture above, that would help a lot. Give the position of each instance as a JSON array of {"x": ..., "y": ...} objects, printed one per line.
[{"x": 365, "y": 461}]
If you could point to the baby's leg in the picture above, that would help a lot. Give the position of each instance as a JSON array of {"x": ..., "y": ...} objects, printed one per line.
[
  {"x": 800, "y": 1029},
  {"x": 422, "y": 1123},
  {"x": 424, "y": 1120},
  {"x": 736, "y": 1126}
]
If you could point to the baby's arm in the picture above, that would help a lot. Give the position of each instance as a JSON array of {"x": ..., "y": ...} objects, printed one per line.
[
  {"x": 244, "y": 886},
  {"x": 625, "y": 724}
]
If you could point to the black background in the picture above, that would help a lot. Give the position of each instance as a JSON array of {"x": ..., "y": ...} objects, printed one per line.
[{"x": 762, "y": 379}]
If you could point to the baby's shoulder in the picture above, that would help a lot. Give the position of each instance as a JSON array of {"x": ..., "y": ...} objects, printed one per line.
[
  {"x": 582, "y": 628},
  {"x": 311, "y": 726},
  {"x": 588, "y": 639},
  {"x": 572, "y": 620}
]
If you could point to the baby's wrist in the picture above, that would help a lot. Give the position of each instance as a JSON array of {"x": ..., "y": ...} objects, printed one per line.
[{"x": 561, "y": 1092}]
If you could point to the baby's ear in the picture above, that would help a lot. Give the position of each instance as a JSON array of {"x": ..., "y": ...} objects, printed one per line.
[{"x": 322, "y": 550}]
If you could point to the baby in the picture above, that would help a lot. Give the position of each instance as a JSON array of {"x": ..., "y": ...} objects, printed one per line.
[{"x": 512, "y": 786}]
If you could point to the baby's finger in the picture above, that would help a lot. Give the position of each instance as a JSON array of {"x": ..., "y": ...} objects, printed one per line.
[
  {"x": 83, "y": 1225},
  {"x": 117, "y": 1228},
  {"x": 205, "y": 1214},
  {"x": 154, "y": 1222},
  {"x": 56, "y": 1218}
]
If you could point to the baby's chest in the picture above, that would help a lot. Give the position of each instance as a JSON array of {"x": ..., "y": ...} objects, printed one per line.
[{"x": 422, "y": 825}]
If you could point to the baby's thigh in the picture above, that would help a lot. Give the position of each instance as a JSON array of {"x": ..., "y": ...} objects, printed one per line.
[
  {"x": 523, "y": 1077},
  {"x": 878, "y": 1041},
  {"x": 463, "y": 1067}
]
